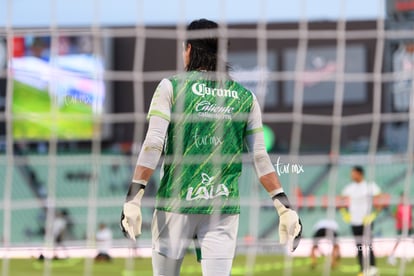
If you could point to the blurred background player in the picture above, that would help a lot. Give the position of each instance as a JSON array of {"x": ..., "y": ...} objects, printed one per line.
[
  {"x": 59, "y": 227},
  {"x": 403, "y": 220},
  {"x": 103, "y": 243},
  {"x": 207, "y": 118},
  {"x": 325, "y": 229},
  {"x": 360, "y": 194}
]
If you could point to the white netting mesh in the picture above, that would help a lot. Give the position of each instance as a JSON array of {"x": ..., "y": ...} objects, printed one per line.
[{"x": 335, "y": 94}]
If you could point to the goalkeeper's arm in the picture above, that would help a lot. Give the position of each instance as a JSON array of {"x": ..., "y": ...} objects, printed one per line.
[
  {"x": 290, "y": 227},
  {"x": 131, "y": 219}
]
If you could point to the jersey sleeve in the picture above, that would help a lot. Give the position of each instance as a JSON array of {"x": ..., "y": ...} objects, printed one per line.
[
  {"x": 255, "y": 142},
  {"x": 376, "y": 190},
  {"x": 254, "y": 121},
  {"x": 162, "y": 100},
  {"x": 154, "y": 142},
  {"x": 346, "y": 191}
]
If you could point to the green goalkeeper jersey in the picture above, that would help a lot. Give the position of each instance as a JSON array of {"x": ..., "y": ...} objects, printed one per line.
[{"x": 204, "y": 143}]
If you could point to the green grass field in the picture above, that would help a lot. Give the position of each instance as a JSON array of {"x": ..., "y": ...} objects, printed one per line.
[{"x": 265, "y": 265}]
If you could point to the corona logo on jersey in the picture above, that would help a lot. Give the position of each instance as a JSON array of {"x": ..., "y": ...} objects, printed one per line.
[
  {"x": 207, "y": 190},
  {"x": 200, "y": 89}
]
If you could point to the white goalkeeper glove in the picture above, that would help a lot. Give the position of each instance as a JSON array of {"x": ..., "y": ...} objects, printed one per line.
[
  {"x": 131, "y": 218},
  {"x": 290, "y": 226}
]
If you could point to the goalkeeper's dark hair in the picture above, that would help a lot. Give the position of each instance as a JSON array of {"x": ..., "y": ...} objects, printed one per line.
[
  {"x": 204, "y": 50},
  {"x": 358, "y": 169}
]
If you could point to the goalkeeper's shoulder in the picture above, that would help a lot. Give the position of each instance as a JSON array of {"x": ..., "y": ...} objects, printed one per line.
[{"x": 242, "y": 91}]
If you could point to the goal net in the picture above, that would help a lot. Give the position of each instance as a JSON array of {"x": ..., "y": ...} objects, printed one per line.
[{"x": 73, "y": 108}]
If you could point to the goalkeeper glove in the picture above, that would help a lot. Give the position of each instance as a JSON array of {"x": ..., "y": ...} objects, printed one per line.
[
  {"x": 131, "y": 218},
  {"x": 346, "y": 216},
  {"x": 290, "y": 226},
  {"x": 370, "y": 218}
]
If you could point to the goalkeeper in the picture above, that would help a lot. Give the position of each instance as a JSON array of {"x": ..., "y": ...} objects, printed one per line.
[
  {"x": 201, "y": 120},
  {"x": 360, "y": 215}
]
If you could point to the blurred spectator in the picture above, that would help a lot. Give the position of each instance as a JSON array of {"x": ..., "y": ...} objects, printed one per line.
[
  {"x": 103, "y": 243},
  {"x": 69, "y": 233},
  {"x": 40, "y": 48},
  {"x": 58, "y": 230},
  {"x": 403, "y": 223},
  {"x": 325, "y": 229}
]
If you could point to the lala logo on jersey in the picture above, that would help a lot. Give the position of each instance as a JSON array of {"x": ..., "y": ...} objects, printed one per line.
[
  {"x": 208, "y": 190},
  {"x": 200, "y": 89}
]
